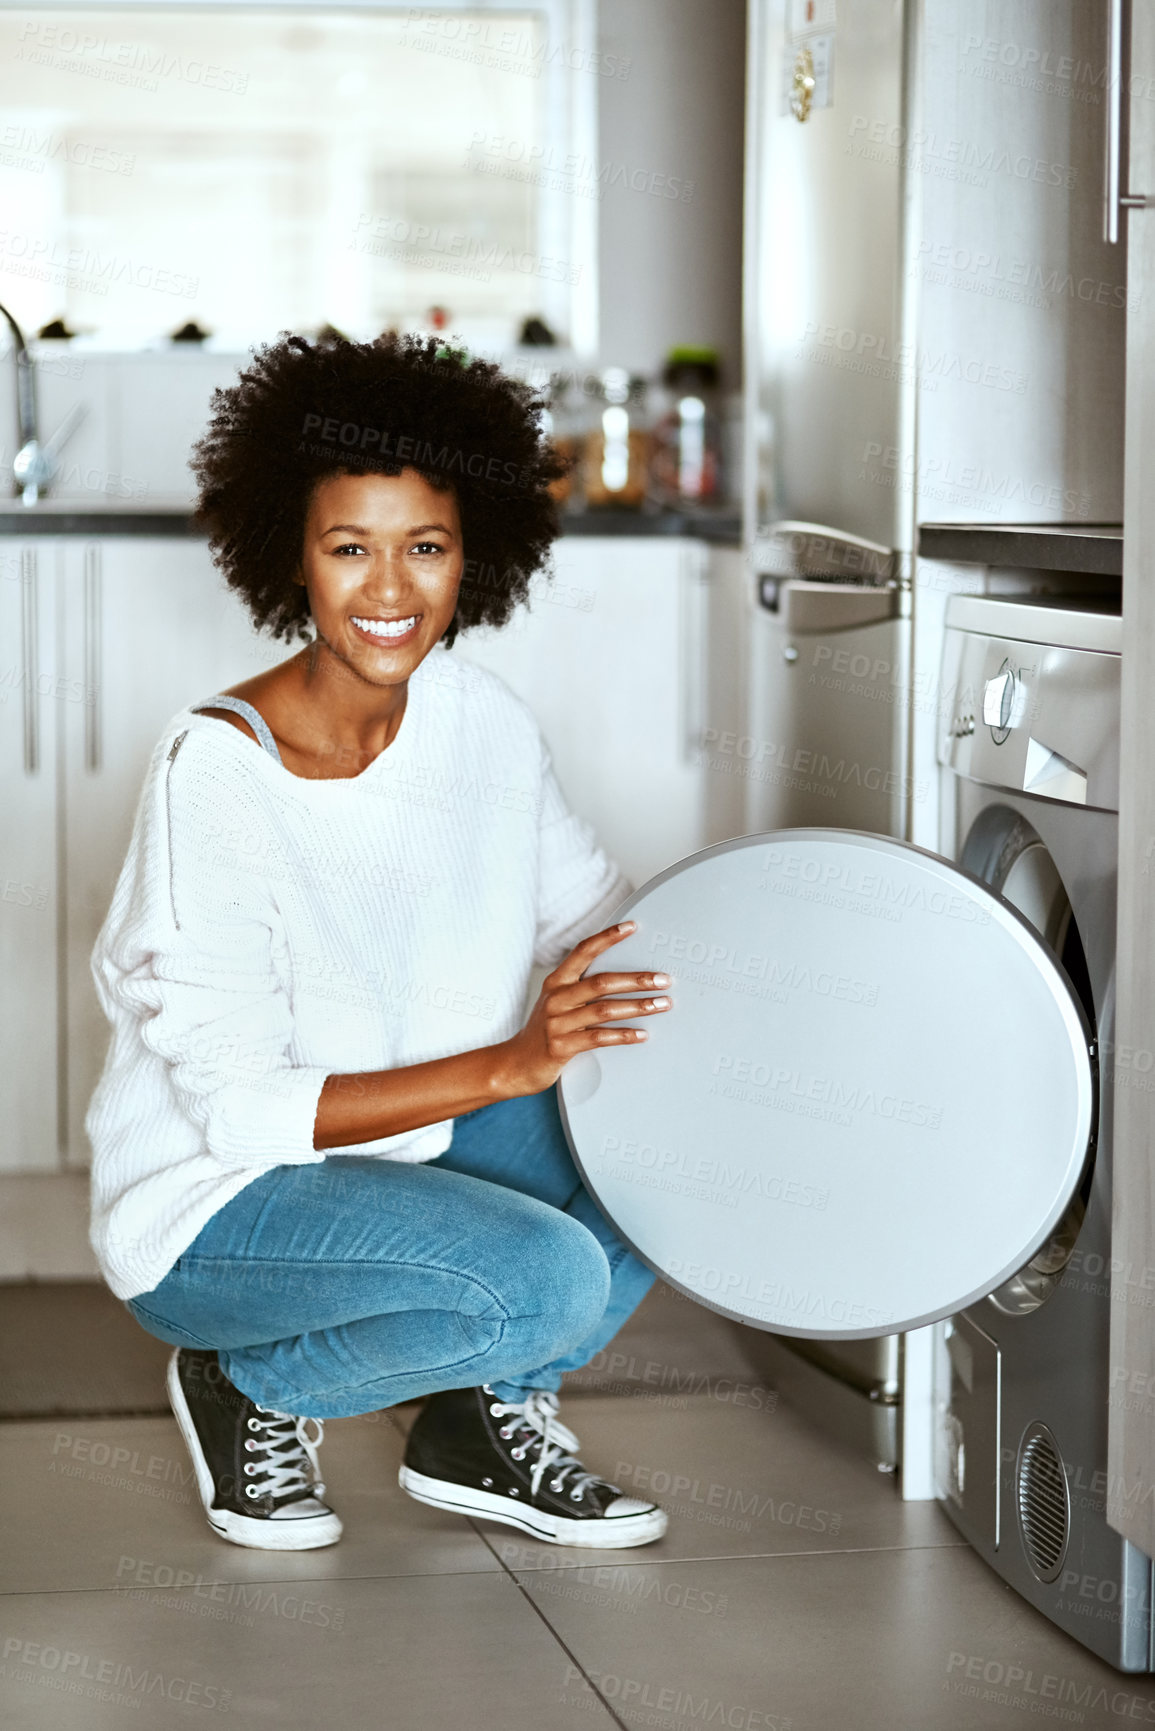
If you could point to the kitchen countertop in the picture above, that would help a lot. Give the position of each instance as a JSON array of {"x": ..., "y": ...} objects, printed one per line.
[
  {"x": 1093, "y": 548},
  {"x": 720, "y": 526},
  {"x": 55, "y": 519}
]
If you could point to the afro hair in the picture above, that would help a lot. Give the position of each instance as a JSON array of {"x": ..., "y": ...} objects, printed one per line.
[{"x": 301, "y": 412}]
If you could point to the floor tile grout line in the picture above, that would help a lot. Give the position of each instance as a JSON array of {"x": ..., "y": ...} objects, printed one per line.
[
  {"x": 553, "y": 1569},
  {"x": 534, "y": 1606},
  {"x": 334, "y": 1581},
  {"x": 753, "y": 1557}
]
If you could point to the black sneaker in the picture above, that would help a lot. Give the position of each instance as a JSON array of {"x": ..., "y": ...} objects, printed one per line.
[
  {"x": 256, "y": 1468},
  {"x": 516, "y": 1462}
]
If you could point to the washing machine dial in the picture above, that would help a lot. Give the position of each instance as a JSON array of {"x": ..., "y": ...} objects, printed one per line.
[{"x": 999, "y": 702}]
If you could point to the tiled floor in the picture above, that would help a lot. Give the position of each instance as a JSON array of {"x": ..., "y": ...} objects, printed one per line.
[{"x": 793, "y": 1588}]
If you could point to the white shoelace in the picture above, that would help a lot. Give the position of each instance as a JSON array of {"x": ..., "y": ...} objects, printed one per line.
[
  {"x": 292, "y": 1464},
  {"x": 538, "y": 1413}
]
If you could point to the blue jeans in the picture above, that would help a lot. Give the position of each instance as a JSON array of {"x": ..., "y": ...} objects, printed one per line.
[{"x": 356, "y": 1283}]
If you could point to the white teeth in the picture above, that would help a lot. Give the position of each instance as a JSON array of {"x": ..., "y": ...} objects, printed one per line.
[{"x": 386, "y": 627}]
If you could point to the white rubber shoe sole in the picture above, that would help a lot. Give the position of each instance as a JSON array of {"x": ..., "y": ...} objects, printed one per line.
[
  {"x": 283, "y": 1533},
  {"x": 606, "y": 1533}
]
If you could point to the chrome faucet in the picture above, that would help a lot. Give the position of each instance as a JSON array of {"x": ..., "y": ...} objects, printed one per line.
[{"x": 34, "y": 464}]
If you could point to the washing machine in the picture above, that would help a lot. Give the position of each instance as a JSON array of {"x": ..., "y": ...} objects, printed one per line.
[
  {"x": 882, "y": 1099},
  {"x": 1029, "y": 757}
]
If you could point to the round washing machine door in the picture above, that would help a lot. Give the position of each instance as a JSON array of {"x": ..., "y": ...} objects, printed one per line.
[{"x": 871, "y": 1102}]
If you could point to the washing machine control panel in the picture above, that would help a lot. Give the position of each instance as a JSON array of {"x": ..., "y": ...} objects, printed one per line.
[{"x": 1037, "y": 718}]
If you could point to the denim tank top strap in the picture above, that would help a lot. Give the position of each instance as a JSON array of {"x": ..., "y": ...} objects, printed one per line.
[{"x": 253, "y": 716}]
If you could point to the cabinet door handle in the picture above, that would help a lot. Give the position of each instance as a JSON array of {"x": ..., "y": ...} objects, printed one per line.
[
  {"x": 30, "y": 643},
  {"x": 93, "y": 617},
  {"x": 693, "y": 618}
]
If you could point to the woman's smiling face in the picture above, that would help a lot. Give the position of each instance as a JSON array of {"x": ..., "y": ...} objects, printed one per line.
[{"x": 382, "y": 562}]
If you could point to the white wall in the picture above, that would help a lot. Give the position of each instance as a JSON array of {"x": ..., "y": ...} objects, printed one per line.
[{"x": 670, "y": 269}]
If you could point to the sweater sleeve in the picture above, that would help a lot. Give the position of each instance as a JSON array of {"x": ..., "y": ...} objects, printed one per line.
[
  {"x": 579, "y": 886},
  {"x": 188, "y": 950}
]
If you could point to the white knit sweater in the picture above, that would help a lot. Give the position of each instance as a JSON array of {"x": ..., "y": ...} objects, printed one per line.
[{"x": 267, "y": 931}]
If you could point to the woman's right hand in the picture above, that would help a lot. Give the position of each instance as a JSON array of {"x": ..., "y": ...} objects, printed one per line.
[
  {"x": 571, "y": 1015},
  {"x": 574, "y": 1015}
]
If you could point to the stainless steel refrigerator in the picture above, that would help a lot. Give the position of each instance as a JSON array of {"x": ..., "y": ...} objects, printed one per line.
[{"x": 934, "y": 333}]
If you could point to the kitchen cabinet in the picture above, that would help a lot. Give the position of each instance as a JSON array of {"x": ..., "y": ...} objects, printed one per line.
[
  {"x": 113, "y": 635},
  {"x": 629, "y": 659},
  {"x": 28, "y": 857}
]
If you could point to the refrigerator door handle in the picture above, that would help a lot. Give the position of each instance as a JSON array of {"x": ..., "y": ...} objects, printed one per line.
[
  {"x": 1114, "y": 121},
  {"x": 824, "y": 607},
  {"x": 796, "y": 549},
  {"x": 1115, "y": 200}
]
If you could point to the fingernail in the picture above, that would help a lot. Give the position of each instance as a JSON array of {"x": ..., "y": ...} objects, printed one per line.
[
  {"x": 626, "y": 925},
  {"x": 659, "y": 979},
  {"x": 659, "y": 1003}
]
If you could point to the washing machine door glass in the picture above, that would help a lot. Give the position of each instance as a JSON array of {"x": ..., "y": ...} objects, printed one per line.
[
  {"x": 872, "y": 1099},
  {"x": 1005, "y": 852}
]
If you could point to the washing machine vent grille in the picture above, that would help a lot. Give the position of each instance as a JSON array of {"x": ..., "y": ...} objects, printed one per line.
[{"x": 1044, "y": 1513}]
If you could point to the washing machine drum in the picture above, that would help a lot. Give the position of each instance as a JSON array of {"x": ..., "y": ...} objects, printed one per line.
[{"x": 871, "y": 1102}]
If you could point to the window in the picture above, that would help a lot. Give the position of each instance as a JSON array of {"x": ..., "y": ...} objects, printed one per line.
[{"x": 265, "y": 168}]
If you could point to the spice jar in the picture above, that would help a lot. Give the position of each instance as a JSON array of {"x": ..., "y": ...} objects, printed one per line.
[
  {"x": 685, "y": 465},
  {"x": 615, "y": 463}
]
